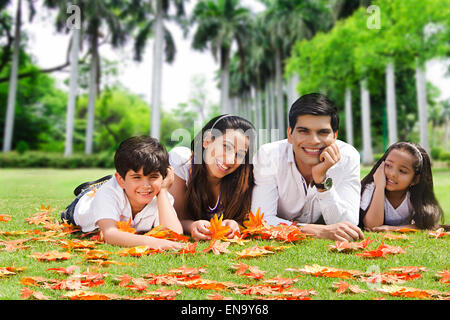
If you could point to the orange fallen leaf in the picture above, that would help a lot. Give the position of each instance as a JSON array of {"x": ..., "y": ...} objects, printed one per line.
[
  {"x": 218, "y": 231},
  {"x": 381, "y": 251},
  {"x": 26, "y": 293},
  {"x": 137, "y": 251},
  {"x": 405, "y": 230},
  {"x": 9, "y": 271},
  {"x": 5, "y": 217},
  {"x": 217, "y": 247},
  {"x": 439, "y": 233},
  {"x": 68, "y": 270},
  {"x": 253, "y": 271},
  {"x": 392, "y": 236},
  {"x": 188, "y": 271},
  {"x": 51, "y": 256},
  {"x": 444, "y": 276},
  {"x": 89, "y": 295},
  {"x": 161, "y": 232},
  {"x": 217, "y": 296},
  {"x": 343, "y": 287},
  {"x": 328, "y": 272},
  {"x": 13, "y": 245},
  {"x": 409, "y": 269},
  {"x": 408, "y": 292},
  {"x": 280, "y": 281},
  {"x": 125, "y": 226},
  {"x": 189, "y": 248},
  {"x": 253, "y": 252},
  {"x": 254, "y": 223},
  {"x": 345, "y": 246}
]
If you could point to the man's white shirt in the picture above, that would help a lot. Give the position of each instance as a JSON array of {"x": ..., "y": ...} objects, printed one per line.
[{"x": 283, "y": 195}]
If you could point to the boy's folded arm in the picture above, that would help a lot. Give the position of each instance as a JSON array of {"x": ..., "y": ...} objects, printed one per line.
[
  {"x": 112, "y": 235},
  {"x": 167, "y": 214}
]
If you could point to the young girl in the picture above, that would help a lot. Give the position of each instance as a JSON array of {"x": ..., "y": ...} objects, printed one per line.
[
  {"x": 398, "y": 192},
  {"x": 215, "y": 176}
]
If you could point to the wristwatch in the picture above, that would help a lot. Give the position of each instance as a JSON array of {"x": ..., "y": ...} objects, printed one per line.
[{"x": 325, "y": 185}]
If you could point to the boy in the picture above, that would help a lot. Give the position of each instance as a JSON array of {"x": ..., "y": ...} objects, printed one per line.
[{"x": 137, "y": 191}]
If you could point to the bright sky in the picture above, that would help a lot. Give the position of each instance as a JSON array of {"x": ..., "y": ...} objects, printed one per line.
[{"x": 49, "y": 49}]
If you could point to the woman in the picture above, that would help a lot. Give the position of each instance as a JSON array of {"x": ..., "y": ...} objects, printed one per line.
[{"x": 215, "y": 176}]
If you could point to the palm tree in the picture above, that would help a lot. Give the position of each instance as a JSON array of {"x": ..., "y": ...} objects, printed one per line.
[
  {"x": 12, "y": 91},
  {"x": 367, "y": 152},
  {"x": 220, "y": 23},
  {"x": 9, "y": 123},
  {"x": 148, "y": 17},
  {"x": 97, "y": 17},
  {"x": 289, "y": 22},
  {"x": 75, "y": 25}
]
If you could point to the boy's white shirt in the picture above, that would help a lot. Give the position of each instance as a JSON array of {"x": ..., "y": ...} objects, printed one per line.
[
  {"x": 111, "y": 202},
  {"x": 402, "y": 215},
  {"x": 283, "y": 195}
]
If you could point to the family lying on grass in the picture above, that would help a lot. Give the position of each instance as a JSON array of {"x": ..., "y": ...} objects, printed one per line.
[{"x": 311, "y": 178}]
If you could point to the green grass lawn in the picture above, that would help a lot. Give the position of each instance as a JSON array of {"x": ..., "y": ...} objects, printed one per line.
[{"x": 23, "y": 191}]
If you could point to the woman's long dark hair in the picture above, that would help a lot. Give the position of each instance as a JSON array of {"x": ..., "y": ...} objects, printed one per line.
[
  {"x": 427, "y": 210},
  {"x": 236, "y": 188}
]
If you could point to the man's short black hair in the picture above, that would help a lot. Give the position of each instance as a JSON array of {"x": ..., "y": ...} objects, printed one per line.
[
  {"x": 315, "y": 104},
  {"x": 141, "y": 152}
]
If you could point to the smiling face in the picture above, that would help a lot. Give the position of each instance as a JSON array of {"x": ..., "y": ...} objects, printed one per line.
[
  {"x": 139, "y": 188},
  {"x": 224, "y": 154},
  {"x": 310, "y": 136},
  {"x": 399, "y": 170}
]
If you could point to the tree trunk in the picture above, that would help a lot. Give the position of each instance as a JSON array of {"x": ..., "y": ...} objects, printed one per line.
[
  {"x": 292, "y": 93},
  {"x": 267, "y": 108},
  {"x": 73, "y": 88},
  {"x": 367, "y": 156},
  {"x": 391, "y": 103},
  {"x": 447, "y": 131},
  {"x": 9, "y": 121},
  {"x": 92, "y": 95},
  {"x": 155, "y": 129},
  {"x": 348, "y": 115},
  {"x": 422, "y": 106},
  {"x": 273, "y": 118},
  {"x": 279, "y": 98},
  {"x": 224, "y": 81}
]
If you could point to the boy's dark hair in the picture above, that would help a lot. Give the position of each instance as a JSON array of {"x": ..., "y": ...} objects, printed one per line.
[
  {"x": 315, "y": 104},
  {"x": 141, "y": 152}
]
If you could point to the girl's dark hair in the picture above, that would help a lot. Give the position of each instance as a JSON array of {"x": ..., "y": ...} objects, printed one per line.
[
  {"x": 141, "y": 152},
  {"x": 236, "y": 188},
  {"x": 315, "y": 104},
  {"x": 427, "y": 210}
]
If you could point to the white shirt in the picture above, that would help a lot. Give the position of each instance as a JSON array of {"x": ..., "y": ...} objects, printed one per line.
[
  {"x": 399, "y": 216},
  {"x": 283, "y": 195},
  {"x": 180, "y": 161},
  {"x": 111, "y": 202}
]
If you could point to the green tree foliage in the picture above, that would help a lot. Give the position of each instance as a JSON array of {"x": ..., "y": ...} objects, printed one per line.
[
  {"x": 410, "y": 31},
  {"x": 39, "y": 109}
]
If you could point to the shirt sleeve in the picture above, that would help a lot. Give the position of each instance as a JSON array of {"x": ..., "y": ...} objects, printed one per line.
[
  {"x": 179, "y": 159},
  {"x": 366, "y": 197},
  {"x": 341, "y": 203},
  {"x": 265, "y": 192}
]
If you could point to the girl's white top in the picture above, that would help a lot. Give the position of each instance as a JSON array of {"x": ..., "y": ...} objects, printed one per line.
[{"x": 392, "y": 217}]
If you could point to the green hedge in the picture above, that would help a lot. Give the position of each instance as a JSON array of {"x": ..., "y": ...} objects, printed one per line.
[{"x": 38, "y": 159}]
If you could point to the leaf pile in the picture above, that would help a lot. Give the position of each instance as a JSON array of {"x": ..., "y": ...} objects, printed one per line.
[{"x": 75, "y": 264}]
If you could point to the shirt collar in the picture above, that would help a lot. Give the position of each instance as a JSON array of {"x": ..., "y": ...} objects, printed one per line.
[{"x": 290, "y": 155}]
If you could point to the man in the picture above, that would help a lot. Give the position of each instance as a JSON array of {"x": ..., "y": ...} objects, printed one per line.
[{"x": 310, "y": 178}]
